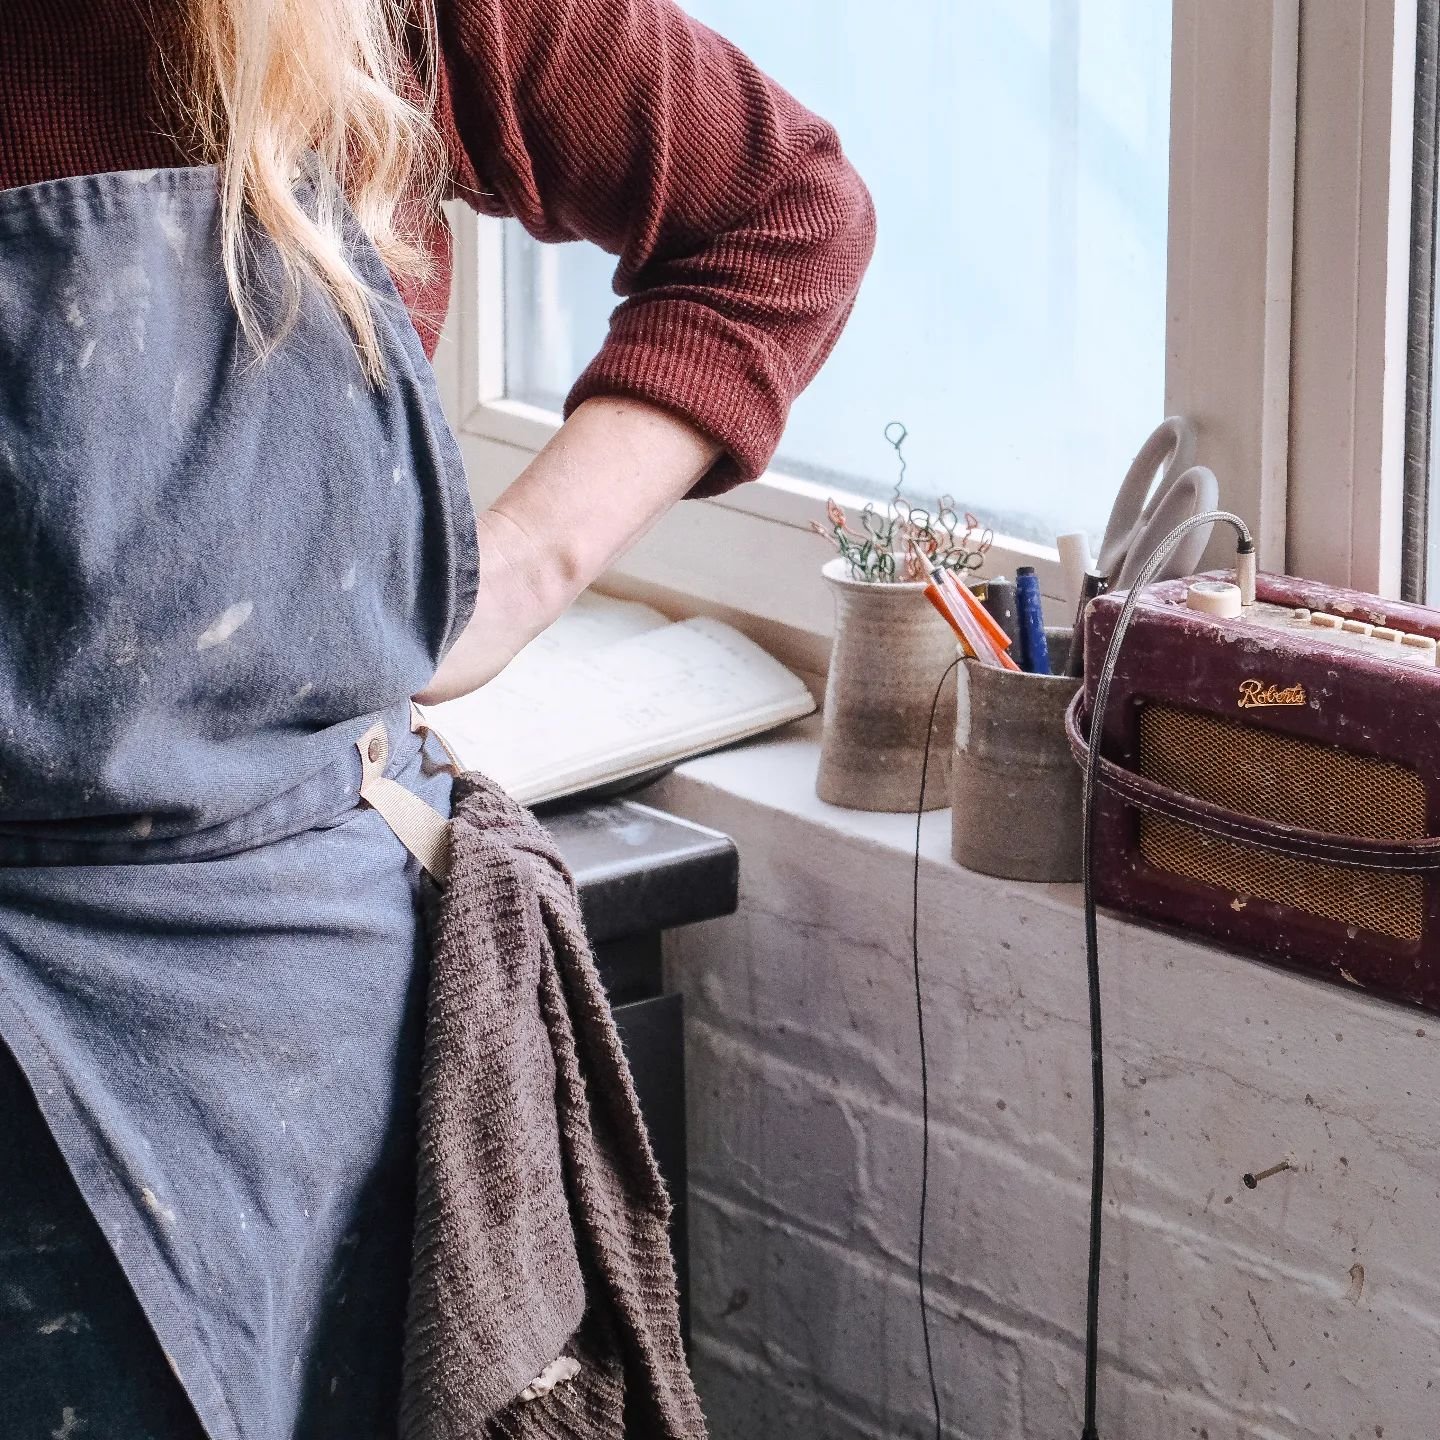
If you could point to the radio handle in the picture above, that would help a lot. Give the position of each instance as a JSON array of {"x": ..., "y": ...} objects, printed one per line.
[{"x": 1292, "y": 840}]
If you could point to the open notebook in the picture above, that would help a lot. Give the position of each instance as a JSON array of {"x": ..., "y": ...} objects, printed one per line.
[{"x": 611, "y": 690}]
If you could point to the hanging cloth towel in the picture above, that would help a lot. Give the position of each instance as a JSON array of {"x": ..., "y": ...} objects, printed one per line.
[{"x": 542, "y": 1295}]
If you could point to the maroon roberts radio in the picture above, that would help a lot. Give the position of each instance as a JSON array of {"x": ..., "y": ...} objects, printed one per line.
[{"x": 1271, "y": 775}]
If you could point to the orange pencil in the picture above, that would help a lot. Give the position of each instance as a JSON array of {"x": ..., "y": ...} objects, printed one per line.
[
  {"x": 974, "y": 637},
  {"x": 965, "y": 596},
  {"x": 942, "y": 604}
]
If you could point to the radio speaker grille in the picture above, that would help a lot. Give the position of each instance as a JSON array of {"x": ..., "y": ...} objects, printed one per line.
[{"x": 1294, "y": 781}]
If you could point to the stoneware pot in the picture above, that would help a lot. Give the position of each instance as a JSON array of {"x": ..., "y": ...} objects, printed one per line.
[
  {"x": 1015, "y": 786},
  {"x": 890, "y": 651}
]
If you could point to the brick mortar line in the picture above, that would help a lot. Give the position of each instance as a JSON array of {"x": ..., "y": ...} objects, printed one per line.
[
  {"x": 1019, "y": 1160},
  {"x": 1204, "y": 1400},
  {"x": 1207, "y": 1246}
]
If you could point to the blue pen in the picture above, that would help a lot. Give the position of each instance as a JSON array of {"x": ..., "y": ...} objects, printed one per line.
[{"x": 1034, "y": 652}]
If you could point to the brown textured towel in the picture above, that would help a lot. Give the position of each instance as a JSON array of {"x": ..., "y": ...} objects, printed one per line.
[{"x": 541, "y": 1223}]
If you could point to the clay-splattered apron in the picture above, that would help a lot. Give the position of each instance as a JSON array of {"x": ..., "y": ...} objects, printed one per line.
[{"x": 215, "y": 574}]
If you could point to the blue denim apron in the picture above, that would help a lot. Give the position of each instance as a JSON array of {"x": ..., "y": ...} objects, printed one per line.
[{"x": 215, "y": 575}]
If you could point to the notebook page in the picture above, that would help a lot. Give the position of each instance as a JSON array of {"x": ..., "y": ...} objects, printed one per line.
[
  {"x": 591, "y": 624},
  {"x": 576, "y": 721},
  {"x": 594, "y": 620}
]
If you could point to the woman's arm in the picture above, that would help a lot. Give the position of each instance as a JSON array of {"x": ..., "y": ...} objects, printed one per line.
[
  {"x": 609, "y": 473},
  {"x": 741, "y": 233}
]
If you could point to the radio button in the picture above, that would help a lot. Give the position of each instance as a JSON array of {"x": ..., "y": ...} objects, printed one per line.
[{"x": 1215, "y": 597}]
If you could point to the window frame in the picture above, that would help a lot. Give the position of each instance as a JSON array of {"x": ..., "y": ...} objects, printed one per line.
[
  {"x": 1268, "y": 224},
  {"x": 1350, "y": 320}
]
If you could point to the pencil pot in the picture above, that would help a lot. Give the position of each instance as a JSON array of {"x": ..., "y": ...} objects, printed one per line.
[
  {"x": 1015, "y": 786},
  {"x": 890, "y": 650}
]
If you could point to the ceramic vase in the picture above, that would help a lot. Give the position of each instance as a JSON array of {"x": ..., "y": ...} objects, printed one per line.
[
  {"x": 1015, "y": 785},
  {"x": 890, "y": 651}
]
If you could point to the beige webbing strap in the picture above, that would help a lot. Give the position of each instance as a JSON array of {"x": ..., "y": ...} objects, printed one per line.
[{"x": 422, "y": 830}]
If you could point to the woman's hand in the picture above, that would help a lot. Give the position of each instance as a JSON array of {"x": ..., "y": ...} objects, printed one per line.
[
  {"x": 608, "y": 474},
  {"x": 511, "y": 608}
]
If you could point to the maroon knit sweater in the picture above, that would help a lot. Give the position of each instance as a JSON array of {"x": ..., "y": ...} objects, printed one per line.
[{"x": 741, "y": 231}]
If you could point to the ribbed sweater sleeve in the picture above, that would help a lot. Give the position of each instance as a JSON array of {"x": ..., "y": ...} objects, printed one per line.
[{"x": 741, "y": 231}]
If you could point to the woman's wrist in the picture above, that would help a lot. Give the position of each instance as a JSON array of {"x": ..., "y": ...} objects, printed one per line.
[
  {"x": 517, "y": 594},
  {"x": 607, "y": 475}
]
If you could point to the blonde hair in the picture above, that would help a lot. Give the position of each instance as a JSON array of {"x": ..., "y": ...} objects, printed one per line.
[{"x": 273, "y": 83}]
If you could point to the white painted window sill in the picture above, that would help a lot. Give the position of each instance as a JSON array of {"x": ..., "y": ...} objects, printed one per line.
[
  {"x": 764, "y": 791},
  {"x": 778, "y": 774},
  {"x": 735, "y": 790}
]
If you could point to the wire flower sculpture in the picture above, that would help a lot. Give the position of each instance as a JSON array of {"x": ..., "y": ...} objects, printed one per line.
[{"x": 878, "y": 547}]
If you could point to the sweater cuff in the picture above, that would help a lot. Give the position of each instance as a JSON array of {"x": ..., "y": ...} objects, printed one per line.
[{"x": 712, "y": 371}]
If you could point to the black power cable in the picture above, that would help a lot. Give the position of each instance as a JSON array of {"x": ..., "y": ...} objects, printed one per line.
[
  {"x": 1245, "y": 555},
  {"x": 924, "y": 1060}
]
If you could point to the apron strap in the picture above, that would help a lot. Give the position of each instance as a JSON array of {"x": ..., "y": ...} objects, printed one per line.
[{"x": 420, "y": 828}]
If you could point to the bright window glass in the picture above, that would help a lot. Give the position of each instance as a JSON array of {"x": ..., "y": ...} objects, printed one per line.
[{"x": 1014, "y": 316}]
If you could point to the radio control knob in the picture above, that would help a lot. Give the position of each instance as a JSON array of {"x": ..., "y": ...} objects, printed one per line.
[{"x": 1214, "y": 597}]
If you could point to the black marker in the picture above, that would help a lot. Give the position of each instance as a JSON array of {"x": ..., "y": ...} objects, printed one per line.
[
  {"x": 999, "y": 600},
  {"x": 1094, "y": 584}
]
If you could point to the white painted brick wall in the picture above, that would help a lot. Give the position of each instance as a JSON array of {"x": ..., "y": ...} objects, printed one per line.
[{"x": 1308, "y": 1309}]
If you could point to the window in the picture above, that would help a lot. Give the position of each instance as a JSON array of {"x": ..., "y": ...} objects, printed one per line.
[
  {"x": 1093, "y": 213},
  {"x": 1014, "y": 315}
]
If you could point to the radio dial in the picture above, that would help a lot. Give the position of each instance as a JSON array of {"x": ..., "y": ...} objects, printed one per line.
[{"x": 1214, "y": 597}]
